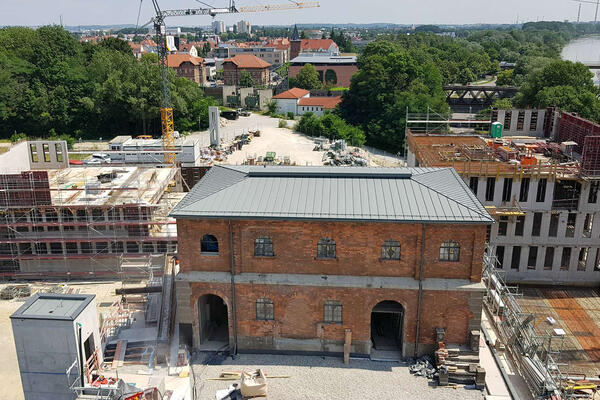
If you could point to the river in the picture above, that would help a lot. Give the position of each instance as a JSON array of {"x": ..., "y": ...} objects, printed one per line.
[{"x": 585, "y": 49}]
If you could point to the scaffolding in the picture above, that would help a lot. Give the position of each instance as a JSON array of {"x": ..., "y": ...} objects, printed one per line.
[
  {"x": 536, "y": 357},
  {"x": 87, "y": 222}
]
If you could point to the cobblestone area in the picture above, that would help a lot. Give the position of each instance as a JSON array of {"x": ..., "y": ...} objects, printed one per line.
[{"x": 314, "y": 377}]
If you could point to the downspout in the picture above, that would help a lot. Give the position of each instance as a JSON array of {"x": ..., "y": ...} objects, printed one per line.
[
  {"x": 233, "y": 308},
  {"x": 421, "y": 266}
]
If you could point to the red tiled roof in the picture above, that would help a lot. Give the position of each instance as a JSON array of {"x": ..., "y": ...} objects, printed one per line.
[
  {"x": 247, "y": 61},
  {"x": 316, "y": 44},
  {"x": 175, "y": 60},
  {"x": 294, "y": 93},
  {"x": 325, "y": 102}
]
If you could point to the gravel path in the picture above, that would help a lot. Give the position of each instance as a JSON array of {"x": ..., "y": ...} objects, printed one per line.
[{"x": 314, "y": 377}]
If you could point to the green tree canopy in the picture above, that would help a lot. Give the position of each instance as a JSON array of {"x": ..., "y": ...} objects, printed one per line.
[
  {"x": 246, "y": 79},
  {"x": 115, "y": 44},
  {"x": 307, "y": 78}
]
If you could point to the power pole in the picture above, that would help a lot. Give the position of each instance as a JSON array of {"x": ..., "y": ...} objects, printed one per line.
[
  {"x": 596, "y": 15},
  {"x": 579, "y": 13}
]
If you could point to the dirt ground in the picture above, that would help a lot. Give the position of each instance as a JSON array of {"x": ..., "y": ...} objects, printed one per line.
[{"x": 9, "y": 367}]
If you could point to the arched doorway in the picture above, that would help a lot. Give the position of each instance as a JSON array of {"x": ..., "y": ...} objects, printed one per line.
[
  {"x": 387, "y": 320},
  {"x": 213, "y": 321}
]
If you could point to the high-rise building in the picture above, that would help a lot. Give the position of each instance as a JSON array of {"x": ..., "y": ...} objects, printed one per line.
[
  {"x": 244, "y": 27},
  {"x": 218, "y": 27}
]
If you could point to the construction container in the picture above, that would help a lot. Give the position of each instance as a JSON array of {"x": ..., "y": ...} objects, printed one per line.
[{"x": 496, "y": 130}]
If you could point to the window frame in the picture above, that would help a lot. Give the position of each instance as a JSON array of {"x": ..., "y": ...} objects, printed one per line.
[
  {"x": 265, "y": 309},
  {"x": 450, "y": 251},
  {"x": 390, "y": 244},
  {"x": 326, "y": 249},
  {"x": 334, "y": 308},
  {"x": 262, "y": 243}
]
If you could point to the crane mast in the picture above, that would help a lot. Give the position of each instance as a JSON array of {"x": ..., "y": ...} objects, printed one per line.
[{"x": 166, "y": 108}]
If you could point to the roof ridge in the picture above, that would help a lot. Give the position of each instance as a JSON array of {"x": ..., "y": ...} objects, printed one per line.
[{"x": 444, "y": 195}]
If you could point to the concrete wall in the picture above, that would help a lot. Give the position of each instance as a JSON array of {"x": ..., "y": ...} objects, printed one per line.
[
  {"x": 47, "y": 155},
  {"x": 287, "y": 105},
  {"x": 512, "y": 129}
]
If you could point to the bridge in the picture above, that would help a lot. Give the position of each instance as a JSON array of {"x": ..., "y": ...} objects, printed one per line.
[{"x": 475, "y": 98}]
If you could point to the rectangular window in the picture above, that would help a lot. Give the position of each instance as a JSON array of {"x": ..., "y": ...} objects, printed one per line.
[
  {"x": 520, "y": 225},
  {"x": 46, "y": 150},
  {"x": 133, "y": 247},
  {"x": 500, "y": 256},
  {"x": 553, "y": 230},
  {"x": 117, "y": 247},
  {"x": 71, "y": 248},
  {"x": 582, "y": 261},
  {"x": 86, "y": 247},
  {"x": 521, "y": 120},
  {"x": 540, "y": 197},
  {"x": 524, "y": 192},
  {"x": 489, "y": 189},
  {"x": 33, "y": 152},
  {"x": 571, "y": 222},
  {"x": 58, "y": 149},
  {"x": 56, "y": 248},
  {"x": 326, "y": 248},
  {"x": 332, "y": 312},
  {"x": 507, "y": 119},
  {"x": 264, "y": 309},
  {"x": 593, "y": 195},
  {"x": 41, "y": 248},
  {"x": 474, "y": 184},
  {"x": 516, "y": 257},
  {"x": 565, "y": 260},
  {"x": 549, "y": 259},
  {"x": 537, "y": 224},
  {"x": 532, "y": 259},
  {"x": 588, "y": 225},
  {"x": 533, "y": 122},
  {"x": 503, "y": 226},
  {"x": 597, "y": 261},
  {"x": 507, "y": 189}
]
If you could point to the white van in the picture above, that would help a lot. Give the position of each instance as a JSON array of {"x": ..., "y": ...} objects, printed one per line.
[{"x": 102, "y": 157}]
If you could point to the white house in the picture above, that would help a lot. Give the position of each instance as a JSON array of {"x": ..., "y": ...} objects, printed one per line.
[
  {"x": 288, "y": 100},
  {"x": 317, "y": 105}
]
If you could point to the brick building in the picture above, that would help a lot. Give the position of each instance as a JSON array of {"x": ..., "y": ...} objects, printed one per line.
[
  {"x": 288, "y": 258},
  {"x": 256, "y": 67},
  {"x": 333, "y": 69},
  {"x": 188, "y": 66},
  {"x": 298, "y": 45}
]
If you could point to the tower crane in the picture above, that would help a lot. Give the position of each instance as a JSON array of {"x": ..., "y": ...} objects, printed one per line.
[{"x": 166, "y": 108}]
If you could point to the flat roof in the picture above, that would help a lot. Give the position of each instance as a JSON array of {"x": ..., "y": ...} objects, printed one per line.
[
  {"x": 433, "y": 195},
  {"x": 53, "y": 306},
  {"x": 327, "y": 59}
]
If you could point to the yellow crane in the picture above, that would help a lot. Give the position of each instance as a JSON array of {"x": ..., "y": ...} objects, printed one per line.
[{"x": 166, "y": 108}]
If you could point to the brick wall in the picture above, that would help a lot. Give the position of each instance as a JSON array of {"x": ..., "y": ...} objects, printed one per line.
[
  {"x": 344, "y": 72},
  {"x": 231, "y": 74},
  {"x": 358, "y": 248}
]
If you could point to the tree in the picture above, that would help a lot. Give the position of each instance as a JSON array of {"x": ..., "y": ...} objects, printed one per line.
[
  {"x": 246, "y": 79},
  {"x": 303, "y": 35},
  {"x": 307, "y": 78},
  {"x": 204, "y": 50},
  {"x": 506, "y": 78},
  {"x": 389, "y": 80},
  {"x": 503, "y": 104},
  {"x": 563, "y": 84},
  {"x": 116, "y": 44}
]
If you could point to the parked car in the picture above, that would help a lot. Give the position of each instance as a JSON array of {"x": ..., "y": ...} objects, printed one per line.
[{"x": 103, "y": 158}]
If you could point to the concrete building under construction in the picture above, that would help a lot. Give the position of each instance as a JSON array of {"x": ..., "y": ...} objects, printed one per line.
[
  {"x": 83, "y": 221},
  {"x": 542, "y": 191}
]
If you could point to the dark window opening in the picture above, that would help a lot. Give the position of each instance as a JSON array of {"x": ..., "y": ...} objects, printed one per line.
[
  {"x": 588, "y": 225},
  {"x": 566, "y": 195},
  {"x": 133, "y": 247},
  {"x": 593, "y": 195},
  {"x": 524, "y": 192},
  {"x": 56, "y": 248},
  {"x": 86, "y": 247},
  {"x": 532, "y": 259},
  {"x": 46, "y": 150},
  {"x": 520, "y": 120},
  {"x": 507, "y": 189},
  {"x": 489, "y": 189},
  {"x": 571, "y": 222},
  {"x": 500, "y": 256},
  {"x": 507, "y": 119},
  {"x": 553, "y": 230},
  {"x": 536, "y": 229},
  {"x": 533, "y": 121},
  {"x": 549, "y": 259},
  {"x": 390, "y": 250},
  {"x": 516, "y": 258},
  {"x": 209, "y": 244},
  {"x": 582, "y": 261},
  {"x": 520, "y": 225},
  {"x": 71, "y": 248},
  {"x": 565, "y": 260},
  {"x": 474, "y": 184},
  {"x": 540, "y": 197},
  {"x": 326, "y": 248}
]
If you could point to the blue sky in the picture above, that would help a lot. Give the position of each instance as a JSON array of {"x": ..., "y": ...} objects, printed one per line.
[{"x": 87, "y": 12}]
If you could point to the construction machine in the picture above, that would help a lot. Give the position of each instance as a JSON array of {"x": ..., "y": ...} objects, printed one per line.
[{"x": 166, "y": 108}]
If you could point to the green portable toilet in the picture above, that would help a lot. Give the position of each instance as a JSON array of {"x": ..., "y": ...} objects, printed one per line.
[{"x": 496, "y": 131}]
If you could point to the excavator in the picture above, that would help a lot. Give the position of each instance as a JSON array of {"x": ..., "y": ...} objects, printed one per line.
[{"x": 166, "y": 108}]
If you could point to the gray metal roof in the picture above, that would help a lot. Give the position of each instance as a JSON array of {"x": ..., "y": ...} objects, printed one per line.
[
  {"x": 327, "y": 59},
  {"x": 333, "y": 193},
  {"x": 53, "y": 306}
]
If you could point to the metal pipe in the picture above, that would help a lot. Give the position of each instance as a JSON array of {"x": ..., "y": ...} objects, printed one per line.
[
  {"x": 233, "y": 309},
  {"x": 421, "y": 266},
  {"x": 80, "y": 352}
]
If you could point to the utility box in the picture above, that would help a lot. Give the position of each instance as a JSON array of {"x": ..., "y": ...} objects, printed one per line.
[
  {"x": 496, "y": 130},
  {"x": 56, "y": 335}
]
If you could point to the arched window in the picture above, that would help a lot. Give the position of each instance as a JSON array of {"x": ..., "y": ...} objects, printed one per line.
[
  {"x": 209, "y": 244},
  {"x": 449, "y": 251},
  {"x": 390, "y": 250},
  {"x": 263, "y": 247},
  {"x": 326, "y": 248},
  {"x": 330, "y": 77},
  {"x": 264, "y": 309}
]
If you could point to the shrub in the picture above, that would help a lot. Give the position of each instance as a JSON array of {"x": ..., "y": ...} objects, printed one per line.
[
  {"x": 283, "y": 123},
  {"x": 291, "y": 115},
  {"x": 331, "y": 126}
]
